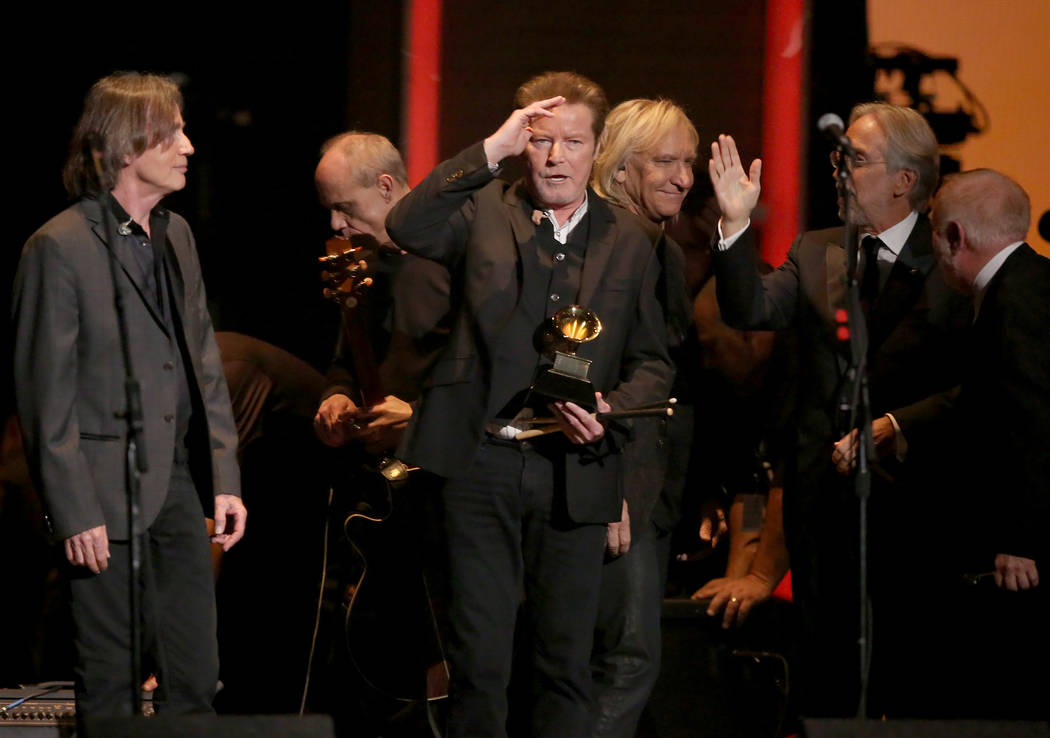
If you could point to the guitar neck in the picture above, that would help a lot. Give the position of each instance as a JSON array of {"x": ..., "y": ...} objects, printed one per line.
[
  {"x": 345, "y": 273},
  {"x": 356, "y": 340}
]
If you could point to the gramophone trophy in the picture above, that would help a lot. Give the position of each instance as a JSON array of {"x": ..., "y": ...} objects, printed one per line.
[{"x": 567, "y": 379}]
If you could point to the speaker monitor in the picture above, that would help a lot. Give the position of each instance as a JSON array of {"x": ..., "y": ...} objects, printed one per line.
[{"x": 210, "y": 726}]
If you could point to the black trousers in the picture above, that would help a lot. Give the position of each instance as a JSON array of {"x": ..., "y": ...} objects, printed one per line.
[
  {"x": 627, "y": 640},
  {"x": 509, "y": 539},
  {"x": 178, "y": 615}
]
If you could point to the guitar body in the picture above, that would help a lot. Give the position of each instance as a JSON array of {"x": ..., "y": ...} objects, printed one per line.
[{"x": 391, "y": 610}]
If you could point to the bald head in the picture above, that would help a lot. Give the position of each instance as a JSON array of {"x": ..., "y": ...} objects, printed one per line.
[
  {"x": 994, "y": 209},
  {"x": 360, "y": 177},
  {"x": 975, "y": 215},
  {"x": 366, "y": 155}
]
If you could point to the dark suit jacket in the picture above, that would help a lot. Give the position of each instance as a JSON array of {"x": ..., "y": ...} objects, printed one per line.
[
  {"x": 916, "y": 327},
  {"x": 1004, "y": 415},
  {"x": 477, "y": 226},
  {"x": 657, "y": 443},
  {"x": 69, "y": 373}
]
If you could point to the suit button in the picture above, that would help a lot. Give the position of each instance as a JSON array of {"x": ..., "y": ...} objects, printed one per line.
[
  {"x": 559, "y": 256},
  {"x": 454, "y": 176},
  {"x": 555, "y": 297},
  {"x": 168, "y": 418},
  {"x": 168, "y": 366}
]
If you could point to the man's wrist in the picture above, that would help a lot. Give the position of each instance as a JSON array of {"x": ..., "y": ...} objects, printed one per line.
[
  {"x": 493, "y": 156},
  {"x": 900, "y": 443},
  {"x": 729, "y": 232}
]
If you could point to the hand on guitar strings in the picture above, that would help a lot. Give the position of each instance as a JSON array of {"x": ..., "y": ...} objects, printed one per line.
[
  {"x": 379, "y": 428},
  {"x": 336, "y": 420},
  {"x": 382, "y": 425}
]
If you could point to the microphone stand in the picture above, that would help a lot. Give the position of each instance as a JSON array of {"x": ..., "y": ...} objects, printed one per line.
[
  {"x": 856, "y": 406},
  {"x": 135, "y": 464}
]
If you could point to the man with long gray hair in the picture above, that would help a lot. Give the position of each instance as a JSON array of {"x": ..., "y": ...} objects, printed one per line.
[
  {"x": 915, "y": 324},
  {"x": 69, "y": 376}
]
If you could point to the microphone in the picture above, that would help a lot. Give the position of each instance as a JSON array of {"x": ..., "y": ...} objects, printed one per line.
[{"x": 834, "y": 131}]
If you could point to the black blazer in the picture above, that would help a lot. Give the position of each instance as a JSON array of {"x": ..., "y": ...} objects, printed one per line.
[
  {"x": 476, "y": 226},
  {"x": 69, "y": 373},
  {"x": 1004, "y": 415}
]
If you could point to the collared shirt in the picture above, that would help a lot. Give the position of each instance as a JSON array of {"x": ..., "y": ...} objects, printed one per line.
[
  {"x": 561, "y": 233},
  {"x": 892, "y": 242},
  {"x": 984, "y": 277}
]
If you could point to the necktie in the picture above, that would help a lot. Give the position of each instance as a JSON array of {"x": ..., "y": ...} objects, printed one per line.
[{"x": 869, "y": 286}]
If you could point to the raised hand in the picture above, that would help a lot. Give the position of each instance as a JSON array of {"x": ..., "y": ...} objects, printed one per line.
[
  {"x": 511, "y": 137},
  {"x": 736, "y": 190}
]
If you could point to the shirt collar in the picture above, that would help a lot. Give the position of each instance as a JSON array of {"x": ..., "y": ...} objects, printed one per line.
[
  {"x": 561, "y": 233},
  {"x": 158, "y": 214},
  {"x": 894, "y": 237},
  {"x": 988, "y": 271}
]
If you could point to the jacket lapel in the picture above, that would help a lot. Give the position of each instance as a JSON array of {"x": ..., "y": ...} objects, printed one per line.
[
  {"x": 904, "y": 285},
  {"x": 835, "y": 267},
  {"x": 121, "y": 253},
  {"x": 178, "y": 285},
  {"x": 599, "y": 247},
  {"x": 520, "y": 216}
]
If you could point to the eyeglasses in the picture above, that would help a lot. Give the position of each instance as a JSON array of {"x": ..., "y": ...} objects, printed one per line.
[{"x": 836, "y": 161}]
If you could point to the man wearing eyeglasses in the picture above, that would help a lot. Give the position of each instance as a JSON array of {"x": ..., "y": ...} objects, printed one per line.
[{"x": 914, "y": 323}]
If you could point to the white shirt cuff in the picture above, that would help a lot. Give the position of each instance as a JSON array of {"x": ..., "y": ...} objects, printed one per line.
[
  {"x": 900, "y": 448},
  {"x": 723, "y": 242}
]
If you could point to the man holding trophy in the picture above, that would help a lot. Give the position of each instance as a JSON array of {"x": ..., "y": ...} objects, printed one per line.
[{"x": 527, "y": 519}]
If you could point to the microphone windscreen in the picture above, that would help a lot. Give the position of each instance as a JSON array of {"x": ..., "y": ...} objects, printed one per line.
[{"x": 830, "y": 121}]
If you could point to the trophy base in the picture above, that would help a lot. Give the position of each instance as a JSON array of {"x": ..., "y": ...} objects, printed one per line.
[{"x": 556, "y": 385}]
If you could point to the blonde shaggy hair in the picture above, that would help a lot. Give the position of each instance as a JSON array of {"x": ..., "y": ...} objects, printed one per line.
[{"x": 633, "y": 127}]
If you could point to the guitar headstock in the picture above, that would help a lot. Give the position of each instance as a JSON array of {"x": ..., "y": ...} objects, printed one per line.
[{"x": 344, "y": 272}]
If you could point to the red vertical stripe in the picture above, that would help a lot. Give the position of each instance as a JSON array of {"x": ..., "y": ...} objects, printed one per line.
[
  {"x": 420, "y": 117},
  {"x": 782, "y": 144}
]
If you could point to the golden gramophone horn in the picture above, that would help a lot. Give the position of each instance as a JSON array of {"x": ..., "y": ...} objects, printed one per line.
[
  {"x": 567, "y": 378},
  {"x": 577, "y": 324}
]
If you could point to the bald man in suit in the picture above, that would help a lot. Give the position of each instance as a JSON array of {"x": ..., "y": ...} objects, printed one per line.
[{"x": 1000, "y": 426}]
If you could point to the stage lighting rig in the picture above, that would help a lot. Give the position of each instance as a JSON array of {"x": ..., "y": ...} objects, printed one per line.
[{"x": 915, "y": 68}]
